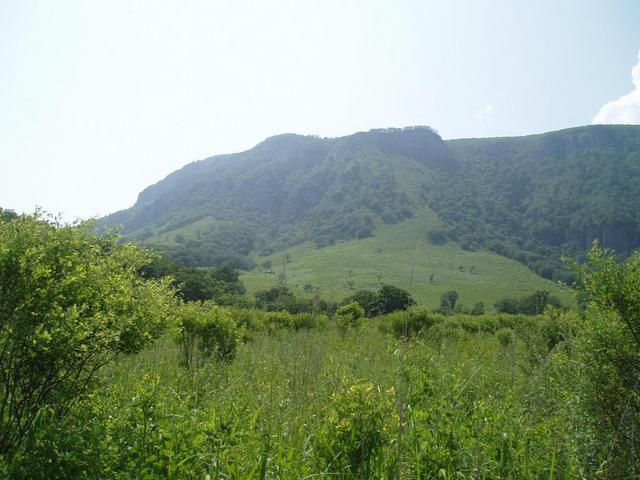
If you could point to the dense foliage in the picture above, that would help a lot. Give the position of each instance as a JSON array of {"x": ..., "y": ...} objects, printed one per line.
[
  {"x": 206, "y": 331},
  {"x": 387, "y": 299},
  {"x": 287, "y": 190},
  {"x": 220, "y": 284},
  {"x": 531, "y": 198},
  {"x": 409, "y": 394},
  {"x": 539, "y": 197},
  {"x": 533, "y": 304},
  {"x": 69, "y": 302}
]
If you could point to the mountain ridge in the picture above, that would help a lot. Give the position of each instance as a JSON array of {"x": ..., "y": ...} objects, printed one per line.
[{"x": 489, "y": 192}]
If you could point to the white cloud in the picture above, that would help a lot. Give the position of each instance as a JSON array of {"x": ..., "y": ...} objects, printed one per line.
[{"x": 626, "y": 109}]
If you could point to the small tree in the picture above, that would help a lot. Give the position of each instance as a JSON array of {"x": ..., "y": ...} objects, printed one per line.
[
  {"x": 391, "y": 299},
  {"x": 448, "y": 302},
  {"x": 349, "y": 316},
  {"x": 69, "y": 302},
  {"x": 611, "y": 285},
  {"x": 367, "y": 300},
  {"x": 606, "y": 348}
]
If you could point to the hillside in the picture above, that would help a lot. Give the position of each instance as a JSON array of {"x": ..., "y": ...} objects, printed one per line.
[
  {"x": 539, "y": 197},
  {"x": 403, "y": 194},
  {"x": 400, "y": 255},
  {"x": 287, "y": 190}
]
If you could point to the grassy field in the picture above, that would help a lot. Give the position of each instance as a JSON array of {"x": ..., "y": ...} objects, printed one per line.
[
  {"x": 400, "y": 255},
  {"x": 456, "y": 403},
  {"x": 188, "y": 232}
]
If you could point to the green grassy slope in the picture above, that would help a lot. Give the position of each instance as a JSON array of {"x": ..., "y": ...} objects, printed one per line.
[
  {"x": 188, "y": 232},
  {"x": 388, "y": 258}
]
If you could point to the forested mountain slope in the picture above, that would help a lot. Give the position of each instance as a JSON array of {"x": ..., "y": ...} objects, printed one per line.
[
  {"x": 287, "y": 190},
  {"x": 531, "y": 198},
  {"x": 538, "y": 197}
]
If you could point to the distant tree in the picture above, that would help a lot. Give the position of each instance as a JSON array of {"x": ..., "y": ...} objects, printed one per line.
[
  {"x": 448, "y": 302},
  {"x": 534, "y": 304},
  {"x": 282, "y": 298},
  {"x": 367, "y": 299},
  {"x": 478, "y": 309},
  {"x": 507, "y": 305},
  {"x": 220, "y": 284},
  {"x": 391, "y": 299},
  {"x": 437, "y": 237},
  {"x": 7, "y": 215}
]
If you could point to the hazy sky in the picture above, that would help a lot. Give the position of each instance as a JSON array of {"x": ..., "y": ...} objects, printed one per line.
[{"x": 99, "y": 99}]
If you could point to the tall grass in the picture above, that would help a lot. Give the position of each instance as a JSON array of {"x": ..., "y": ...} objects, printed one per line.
[{"x": 462, "y": 397}]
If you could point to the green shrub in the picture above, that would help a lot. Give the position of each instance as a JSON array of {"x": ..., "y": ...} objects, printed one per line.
[
  {"x": 278, "y": 321},
  {"x": 353, "y": 433},
  {"x": 349, "y": 316},
  {"x": 411, "y": 323},
  {"x": 505, "y": 337},
  {"x": 69, "y": 302},
  {"x": 205, "y": 331},
  {"x": 308, "y": 321}
]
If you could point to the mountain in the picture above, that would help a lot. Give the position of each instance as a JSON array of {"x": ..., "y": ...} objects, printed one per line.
[
  {"x": 539, "y": 197},
  {"x": 287, "y": 190},
  {"x": 531, "y": 198}
]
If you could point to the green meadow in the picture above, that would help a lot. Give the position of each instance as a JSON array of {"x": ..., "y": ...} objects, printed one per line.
[{"x": 401, "y": 255}]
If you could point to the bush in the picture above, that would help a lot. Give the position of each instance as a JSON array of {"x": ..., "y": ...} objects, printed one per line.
[
  {"x": 505, "y": 337},
  {"x": 391, "y": 299},
  {"x": 206, "y": 331},
  {"x": 412, "y": 323},
  {"x": 607, "y": 353},
  {"x": 69, "y": 301},
  {"x": 278, "y": 320},
  {"x": 534, "y": 304},
  {"x": 367, "y": 300},
  {"x": 309, "y": 321},
  {"x": 353, "y": 433},
  {"x": 349, "y": 316}
]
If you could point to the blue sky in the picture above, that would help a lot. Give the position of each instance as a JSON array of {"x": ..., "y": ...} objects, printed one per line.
[{"x": 100, "y": 99}]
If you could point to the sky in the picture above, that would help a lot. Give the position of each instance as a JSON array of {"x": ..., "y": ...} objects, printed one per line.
[{"x": 100, "y": 99}]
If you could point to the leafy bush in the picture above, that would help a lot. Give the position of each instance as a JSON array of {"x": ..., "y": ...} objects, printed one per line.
[
  {"x": 278, "y": 321},
  {"x": 308, "y": 321},
  {"x": 353, "y": 433},
  {"x": 505, "y": 337},
  {"x": 607, "y": 359},
  {"x": 411, "y": 323},
  {"x": 281, "y": 298},
  {"x": 349, "y": 316},
  {"x": 206, "y": 331},
  {"x": 69, "y": 301}
]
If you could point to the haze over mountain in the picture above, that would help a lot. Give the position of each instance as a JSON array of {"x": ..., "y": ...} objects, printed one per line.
[{"x": 531, "y": 198}]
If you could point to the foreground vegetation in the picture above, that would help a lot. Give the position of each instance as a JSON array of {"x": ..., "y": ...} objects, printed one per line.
[
  {"x": 481, "y": 397},
  {"x": 106, "y": 374}
]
